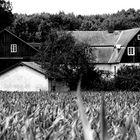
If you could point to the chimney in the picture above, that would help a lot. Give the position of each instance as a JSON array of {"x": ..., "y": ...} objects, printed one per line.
[{"x": 118, "y": 46}]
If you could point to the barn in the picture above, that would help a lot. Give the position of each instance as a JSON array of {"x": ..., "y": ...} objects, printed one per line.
[
  {"x": 18, "y": 71},
  {"x": 112, "y": 49}
]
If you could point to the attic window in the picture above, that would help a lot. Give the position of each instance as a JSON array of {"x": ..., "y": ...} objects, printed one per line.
[
  {"x": 13, "y": 48},
  {"x": 131, "y": 51},
  {"x": 138, "y": 36}
]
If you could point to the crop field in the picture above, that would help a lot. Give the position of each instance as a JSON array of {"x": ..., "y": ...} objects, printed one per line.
[{"x": 69, "y": 116}]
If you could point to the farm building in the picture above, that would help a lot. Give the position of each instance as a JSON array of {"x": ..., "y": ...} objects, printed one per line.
[
  {"x": 28, "y": 76},
  {"x": 112, "y": 49},
  {"x": 19, "y": 72},
  {"x": 14, "y": 50}
]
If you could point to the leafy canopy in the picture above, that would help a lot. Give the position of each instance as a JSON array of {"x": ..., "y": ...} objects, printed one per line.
[
  {"x": 65, "y": 58},
  {"x": 6, "y": 15}
]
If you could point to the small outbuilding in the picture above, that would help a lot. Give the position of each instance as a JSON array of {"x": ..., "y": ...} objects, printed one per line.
[{"x": 28, "y": 76}]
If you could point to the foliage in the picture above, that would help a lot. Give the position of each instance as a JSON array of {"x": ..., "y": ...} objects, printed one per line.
[
  {"x": 56, "y": 116},
  {"x": 65, "y": 58},
  {"x": 128, "y": 78},
  {"x": 6, "y": 15},
  {"x": 29, "y": 27}
]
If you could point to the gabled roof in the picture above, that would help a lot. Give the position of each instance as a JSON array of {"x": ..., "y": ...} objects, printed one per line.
[
  {"x": 5, "y": 30},
  {"x": 97, "y": 38},
  {"x": 31, "y": 65},
  {"x": 105, "y": 43},
  {"x": 125, "y": 37},
  {"x": 34, "y": 66}
]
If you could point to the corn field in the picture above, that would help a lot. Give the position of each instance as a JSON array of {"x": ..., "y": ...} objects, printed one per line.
[{"x": 69, "y": 116}]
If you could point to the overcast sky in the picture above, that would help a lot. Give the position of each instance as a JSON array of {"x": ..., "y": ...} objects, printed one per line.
[{"x": 83, "y": 7}]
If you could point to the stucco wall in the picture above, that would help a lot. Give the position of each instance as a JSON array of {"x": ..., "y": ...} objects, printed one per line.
[
  {"x": 114, "y": 67},
  {"x": 106, "y": 67},
  {"x": 23, "y": 78}
]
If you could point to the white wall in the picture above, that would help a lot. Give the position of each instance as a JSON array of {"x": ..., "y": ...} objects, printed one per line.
[
  {"x": 23, "y": 78},
  {"x": 113, "y": 67},
  {"x": 106, "y": 67}
]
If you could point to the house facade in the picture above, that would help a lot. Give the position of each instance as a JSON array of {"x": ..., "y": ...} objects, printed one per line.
[
  {"x": 18, "y": 72},
  {"x": 14, "y": 50},
  {"x": 112, "y": 49}
]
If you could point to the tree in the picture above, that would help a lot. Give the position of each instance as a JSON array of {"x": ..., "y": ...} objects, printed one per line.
[
  {"x": 65, "y": 58},
  {"x": 6, "y": 15}
]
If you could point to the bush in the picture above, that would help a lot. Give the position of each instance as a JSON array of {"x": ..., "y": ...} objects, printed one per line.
[{"x": 128, "y": 78}]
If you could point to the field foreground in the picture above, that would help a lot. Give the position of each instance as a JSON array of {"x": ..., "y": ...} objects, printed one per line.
[{"x": 55, "y": 116}]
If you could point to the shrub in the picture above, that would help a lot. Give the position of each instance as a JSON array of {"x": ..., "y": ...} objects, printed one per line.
[{"x": 128, "y": 78}]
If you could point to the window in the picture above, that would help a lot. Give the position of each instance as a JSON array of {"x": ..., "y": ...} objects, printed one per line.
[
  {"x": 138, "y": 36},
  {"x": 13, "y": 48},
  {"x": 131, "y": 51}
]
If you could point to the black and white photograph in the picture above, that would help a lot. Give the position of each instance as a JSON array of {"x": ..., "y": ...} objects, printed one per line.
[{"x": 69, "y": 70}]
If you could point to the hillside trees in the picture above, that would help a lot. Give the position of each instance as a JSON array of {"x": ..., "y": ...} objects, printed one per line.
[
  {"x": 28, "y": 26},
  {"x": 6, "y": 15}
]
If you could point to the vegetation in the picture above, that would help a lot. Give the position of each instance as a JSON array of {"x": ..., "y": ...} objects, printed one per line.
[
  {"x": 65, "y": 58},
  {"x": 128, "y": 78},
  {"x": 51, "y": 116},
  {"x": 29, "y": 27},
  {"x": 6, "y": 15}
]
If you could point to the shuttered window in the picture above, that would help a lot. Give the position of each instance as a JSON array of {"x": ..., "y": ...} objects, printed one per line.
[
  {"x": 131, "y": 51},
  {"x": 13, "y": 48}
]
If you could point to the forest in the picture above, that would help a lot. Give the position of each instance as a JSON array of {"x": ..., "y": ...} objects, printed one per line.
[{"x": 30, "y": 27}]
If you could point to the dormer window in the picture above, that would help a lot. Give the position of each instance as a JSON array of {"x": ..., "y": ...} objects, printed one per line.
[
  {"x": 13, "y": 48},
  {"x": 131, "y": 51},
  {"x": 138, "y": 36}
]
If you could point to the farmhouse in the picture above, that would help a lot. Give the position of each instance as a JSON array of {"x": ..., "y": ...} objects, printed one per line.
[
  {"x": 19, "y": 72},
  {"x": 112, "y": 49},
  {"x": 14, "y": 50}
]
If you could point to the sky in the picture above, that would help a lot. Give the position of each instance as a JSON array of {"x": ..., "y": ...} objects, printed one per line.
[{"x": 78, "y": 7}]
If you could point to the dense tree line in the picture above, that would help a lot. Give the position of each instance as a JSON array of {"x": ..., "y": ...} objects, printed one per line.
[{"x": 29, "y": 27}]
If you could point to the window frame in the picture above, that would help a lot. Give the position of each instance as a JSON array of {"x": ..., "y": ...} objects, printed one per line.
[
  {"x": 13, "y": 48},
  {"x": 131, "y": 51},
  {"x": 138, "y": 37}
]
